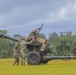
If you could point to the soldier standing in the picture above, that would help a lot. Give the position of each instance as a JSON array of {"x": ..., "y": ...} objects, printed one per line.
[
  {"x": 16, "y": 53},
  {"x": 43, "y": 48},
  {"x": 24, "y": 44},
  {"x": 33, "y": 34}
]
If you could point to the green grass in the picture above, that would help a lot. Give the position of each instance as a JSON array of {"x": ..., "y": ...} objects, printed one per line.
[{"x": 54, "y": 67}]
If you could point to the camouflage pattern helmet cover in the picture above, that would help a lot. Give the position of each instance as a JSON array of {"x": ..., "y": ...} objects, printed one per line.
[{"x": 23, "y": 38}]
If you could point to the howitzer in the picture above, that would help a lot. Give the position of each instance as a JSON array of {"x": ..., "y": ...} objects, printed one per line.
[{"x": 35, "y": 56}]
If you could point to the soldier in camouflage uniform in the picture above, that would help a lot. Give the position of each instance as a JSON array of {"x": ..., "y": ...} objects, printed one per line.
[
  {"x": 16, "y": 53},
  {"x": 33, "y": 34},
  {"x": 23, "y": 48},
  {"x": 43, "y": 48}
]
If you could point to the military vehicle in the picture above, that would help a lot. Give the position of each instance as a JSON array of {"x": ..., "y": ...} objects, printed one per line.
[{"x": 35, "y": 55}]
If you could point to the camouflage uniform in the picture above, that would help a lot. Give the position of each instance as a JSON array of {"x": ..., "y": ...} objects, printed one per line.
[
  {"x": 43, "y": 47},
  {"x": 16, "y": 53},
  {"x": 33, "y": 34},
  {"x": 22, "y": 51}
]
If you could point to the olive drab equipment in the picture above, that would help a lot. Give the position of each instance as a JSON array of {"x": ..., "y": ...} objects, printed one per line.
[{"x": 35, "y": 55}]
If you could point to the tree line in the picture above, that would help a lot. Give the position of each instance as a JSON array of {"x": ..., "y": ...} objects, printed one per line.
[{"x": 63, "y": 43}]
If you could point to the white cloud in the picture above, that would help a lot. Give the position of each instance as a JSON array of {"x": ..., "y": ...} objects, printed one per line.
[
  {"x": 65, "y": 13},
  {"x": 75, "y": 6},
  {"x": 62, "y": 13},
  {"x": 22, "y": 14},
  {"x": 26, "y": 17}
]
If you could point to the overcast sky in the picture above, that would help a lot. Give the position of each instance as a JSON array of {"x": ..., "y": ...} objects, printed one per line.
[{"x": 23, "y": 16}]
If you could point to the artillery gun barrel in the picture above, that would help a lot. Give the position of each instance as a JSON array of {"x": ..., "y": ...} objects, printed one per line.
[
  {"x": 59, "y": 57},
  {"x": 8, "y": 37}
]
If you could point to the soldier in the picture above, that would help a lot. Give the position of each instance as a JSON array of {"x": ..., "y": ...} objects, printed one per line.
[
  {"x": 23, "y": 48},
  {"x": 33, "y": 34},
  {"x": 16, "y": 53},
  {"x": 43, "y": 48}
]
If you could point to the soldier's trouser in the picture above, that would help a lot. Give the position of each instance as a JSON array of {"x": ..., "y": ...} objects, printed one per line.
[
  {"x": 16, "y": 56},
  {"x": 23, "y": 58}
]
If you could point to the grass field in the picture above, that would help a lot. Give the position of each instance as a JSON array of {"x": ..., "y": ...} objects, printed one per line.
[{"x": 54, "y": 67}]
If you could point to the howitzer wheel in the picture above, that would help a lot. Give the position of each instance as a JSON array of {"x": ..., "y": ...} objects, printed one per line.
[
  {"x": 44, "y": 62},
  {"x": 34, "y": 58}
]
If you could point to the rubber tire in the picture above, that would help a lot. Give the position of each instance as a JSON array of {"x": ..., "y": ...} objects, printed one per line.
[
  {"x": 44, "y": 62},
  {"x": 33, "y": 58}
]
